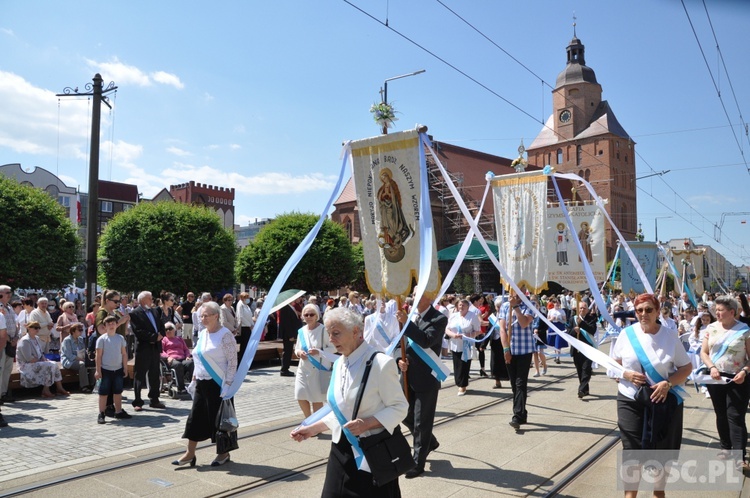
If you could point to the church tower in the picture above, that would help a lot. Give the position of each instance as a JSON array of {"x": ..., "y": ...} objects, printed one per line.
[{"x": 583, "y": 136}]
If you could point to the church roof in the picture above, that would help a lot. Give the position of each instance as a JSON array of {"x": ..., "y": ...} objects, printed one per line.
[
  {"x": 603, "y": 122},
  {"x": 575, "y": 73},
  {"x": 348, "y": 194}
]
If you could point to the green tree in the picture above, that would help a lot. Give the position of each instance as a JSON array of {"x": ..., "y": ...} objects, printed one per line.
[
  {"x": 328, "y": 264},
  {"x": 739, "y": 285},
  {"x": 359, "y": 282},
  {"x": 463, "y": 283},
  {"x": 167, "y": 246},
  {"x": 38, "y": 243}
]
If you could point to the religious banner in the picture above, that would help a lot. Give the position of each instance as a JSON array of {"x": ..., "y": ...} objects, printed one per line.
[
  {"x": 386, "y": 172},
  {"x": 689, "y": 262},
  {"x": 647, "y": 255},
  {"x": 520, "y": 217},
  {"x": 565, "y": 265}
]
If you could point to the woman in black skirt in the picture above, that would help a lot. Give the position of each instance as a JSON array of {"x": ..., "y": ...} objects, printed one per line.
[
  {"x": 383, "y": 407},
  {"x": 215, "y": 365}
]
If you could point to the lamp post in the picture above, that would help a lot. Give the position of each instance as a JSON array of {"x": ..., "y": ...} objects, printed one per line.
[
  {"x": 656, "y": 226},
  {"x": 384, "y": 90}
]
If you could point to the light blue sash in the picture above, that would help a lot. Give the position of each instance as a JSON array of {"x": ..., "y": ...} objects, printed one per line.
[
  {"x": 466, "y": 346},
  {"x": 198, "y": 351},
  {"x": 381, "y": 329},
  {"x": 303, "y": 343},
  {"x": 359, "y": 455},
  {"x": 648, "y": 367},
  {"x": 725, "y": 344},
  {"x": 437, "y": 371}
]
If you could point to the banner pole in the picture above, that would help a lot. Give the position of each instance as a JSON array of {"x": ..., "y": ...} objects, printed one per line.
[{"x": 403, "y": 355}]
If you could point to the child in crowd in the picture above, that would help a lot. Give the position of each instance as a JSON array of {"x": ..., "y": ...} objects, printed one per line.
[{"x": 111, "y": 364}]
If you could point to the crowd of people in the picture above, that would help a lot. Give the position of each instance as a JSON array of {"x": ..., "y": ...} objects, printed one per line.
[{"x": 658, "y": 341}]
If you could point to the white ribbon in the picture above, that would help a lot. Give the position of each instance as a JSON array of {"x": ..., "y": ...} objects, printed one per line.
[{"x": 278, "y": 284}]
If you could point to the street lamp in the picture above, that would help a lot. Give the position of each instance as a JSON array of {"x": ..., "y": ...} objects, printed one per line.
[
  {"x": 656, "y": 226},
  {"x": 384, "y": 90}
]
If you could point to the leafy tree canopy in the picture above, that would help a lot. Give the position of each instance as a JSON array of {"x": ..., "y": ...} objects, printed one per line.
[
  {"x": 38, "y": 242},
  {"x": 328, "y": 264},
  {"x": 167, "y": 246}
]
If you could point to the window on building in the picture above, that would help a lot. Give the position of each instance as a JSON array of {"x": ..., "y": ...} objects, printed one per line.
[
  {"x": 579, "y": 155},
  {"x": 348, "y": 228},
  {"x": 105, "y": 206},
  {"x": 127, "y": 207},
  {"x": 617, "y": 155},
  {"x": 64, "y": 201},
  {"x": 626, "y": 159},
  {"x": 559, "y": 156}
]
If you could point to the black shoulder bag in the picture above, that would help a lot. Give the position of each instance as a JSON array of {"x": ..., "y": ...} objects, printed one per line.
[{"x": 388, "y": 455}]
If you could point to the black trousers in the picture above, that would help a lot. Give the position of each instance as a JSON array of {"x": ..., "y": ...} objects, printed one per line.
[
  {"x": 201, "y": 422},
  {"x": 244, "y": 338},
  {"x": 518, "y": 371},
  {"x": 460, "y": 369},
  {"x": 497, "y": 360},
  {"x": 480, "y": 351},
  {"x": 630, "y": 422},
  {"x": 286, "y": 356},
  {"x": 420, "y": 419},
  {"x": 147, "y": 362},
  {"x": 730, "y": 404},
  {"x": 583, "y": 367}
]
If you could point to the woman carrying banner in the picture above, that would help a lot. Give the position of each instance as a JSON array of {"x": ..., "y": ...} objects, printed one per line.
[
  {"x": 314, "y": 371},
  {"x": 649, "y": 347},
  {"x": 462, "y": 324},
  {"x": 383, "y": 407},
  {"x": 725, "y": 353},
  {"x": 215, "y": 364}
]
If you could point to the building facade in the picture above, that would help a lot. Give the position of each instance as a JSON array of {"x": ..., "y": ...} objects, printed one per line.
[
  {"x": 583, "y": 136},
  {"x": 219, "y": 199},
  {"x": 47, "y": 181}
]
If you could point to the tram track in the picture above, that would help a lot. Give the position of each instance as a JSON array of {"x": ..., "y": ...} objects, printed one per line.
[{"x": 259, "y": 483}]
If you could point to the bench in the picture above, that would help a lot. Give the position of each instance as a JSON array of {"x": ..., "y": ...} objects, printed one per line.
[{"x": 267, "y": 351}]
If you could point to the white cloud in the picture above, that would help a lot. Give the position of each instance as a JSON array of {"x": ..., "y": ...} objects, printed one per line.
[
  {"x": 123, "y": 74},
  {"x": 179, "y": 152},
  {"x": 29, "y": 120},
  {"x": 167, "y": 79},
  {"x": 7, "y": 31},
  {"x": 235, "y": 146},
  {"x": 270, "y": 183},
  {"x": 697, "y": 200},
  {"x": 207, "y": 97},
  {"x": 71, "y": 182}
]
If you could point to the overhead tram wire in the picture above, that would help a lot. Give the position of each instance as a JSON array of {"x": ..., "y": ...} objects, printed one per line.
[
  {"x": 716, "y": 86},
  {"x": 493, "y": 92},
  {"x": 726, "y": 71}
]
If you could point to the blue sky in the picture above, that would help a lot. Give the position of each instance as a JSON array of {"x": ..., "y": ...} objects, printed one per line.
[{"x": 259, "y": 96}]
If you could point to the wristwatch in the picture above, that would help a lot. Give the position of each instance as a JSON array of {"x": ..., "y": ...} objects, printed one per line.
[{"x": 669, "y": 384}]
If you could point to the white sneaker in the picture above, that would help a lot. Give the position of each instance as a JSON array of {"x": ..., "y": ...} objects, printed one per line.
[
  {"x": 544, "y": 371},
  {"x": 536, "y": 374}
]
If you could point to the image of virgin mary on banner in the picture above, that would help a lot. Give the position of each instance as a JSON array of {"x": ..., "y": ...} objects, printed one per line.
[
  {"x": 521, "y": 217},
  {"x": 387, "y": 173}
]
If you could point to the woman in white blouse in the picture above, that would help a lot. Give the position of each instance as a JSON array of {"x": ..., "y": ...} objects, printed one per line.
[
  {"x": 462, "y": 324},
  {"x": 215, "y": 365},
  {"x": 383, "y": 406},
  {"x": 314, "y": 372}
]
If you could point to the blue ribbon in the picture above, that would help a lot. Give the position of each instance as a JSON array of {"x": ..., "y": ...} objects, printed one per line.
[
  {"x": 380, "y": 328},
  {"x": 614, "y": 262},
  {"x": 429, "y": 360},
  {"x": 359, "y": 456},
  {"x": 199, "y": 353},
  {"x": 648, "y": 367},
  {"x": 725, "y": 344},
  {"x": 291, "y": 264},
  {"x": 303, "y": 343}
]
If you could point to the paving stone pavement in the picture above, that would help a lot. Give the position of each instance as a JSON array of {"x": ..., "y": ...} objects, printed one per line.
[{"x": 45, "y": 434}]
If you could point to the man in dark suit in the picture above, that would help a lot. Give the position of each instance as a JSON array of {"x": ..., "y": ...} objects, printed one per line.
[
  {"x": 289, "y": 324},
  {"x": 427, "y": 332},
  {"x": 584, "y": 320},
  {"x": 149, "y": 331}
]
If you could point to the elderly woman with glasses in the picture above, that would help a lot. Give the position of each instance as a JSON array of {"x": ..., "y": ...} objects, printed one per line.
[
  {"x": 73, "y": 356},
  {"x": 177, "y": 355},
  {"x": 314, "y": 371},
  {"x": 653, "y": 356},
  {"x": 215, "y": 365},
  {"x": 36, "y": 370},
  {"x": 725, "y": 351},
  {"x": 382, "y": 408}
]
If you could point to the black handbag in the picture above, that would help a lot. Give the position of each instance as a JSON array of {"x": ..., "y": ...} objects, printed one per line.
[
  {"x": 10, "y": 350},
  {"x": 226, "y": 427},
  {"x": 388, "y": 455}
]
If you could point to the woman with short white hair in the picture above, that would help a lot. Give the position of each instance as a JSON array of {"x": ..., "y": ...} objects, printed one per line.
[{"x": 314, "y": 372}]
